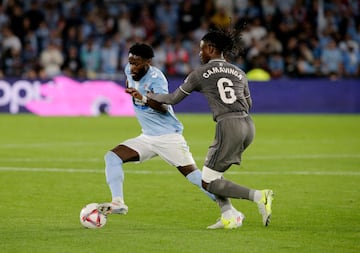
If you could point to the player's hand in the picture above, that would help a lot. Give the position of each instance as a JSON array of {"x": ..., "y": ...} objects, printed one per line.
[
  {"x": 134, "y": 93},
  {"x": 149, "y": 94}
]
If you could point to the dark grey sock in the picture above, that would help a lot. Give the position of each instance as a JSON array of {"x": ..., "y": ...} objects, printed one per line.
[
  {"x": 224, "y": 203},
  {"x": 227, "y": 189}
]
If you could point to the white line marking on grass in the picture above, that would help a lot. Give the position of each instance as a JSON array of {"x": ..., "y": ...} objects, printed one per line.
[
  {"x": 48, "y": 144},
  {"x": 263, "y": 157},
  {"x": 51, "y": 159},
  {"x": 305, "y": 156},
  {"x": 166, "y": 172}
]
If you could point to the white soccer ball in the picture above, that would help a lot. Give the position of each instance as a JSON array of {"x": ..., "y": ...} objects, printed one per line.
[{"x": 91, "y": 218}]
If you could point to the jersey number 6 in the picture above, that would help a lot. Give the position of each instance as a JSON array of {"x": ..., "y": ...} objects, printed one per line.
[{"x": 227, "y": 94}]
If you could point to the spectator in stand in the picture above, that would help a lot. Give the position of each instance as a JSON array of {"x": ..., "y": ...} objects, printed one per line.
[
  {"x": 88, "y": 27},
  {"x": 276, "y": 65},
  {"x": 4, "y": 19},
  {"x": 31, "y": 38},
  {"x": 10, "y": 40},
  {"x": 356, "y": 34},
  {"x": 224, "y": 5},
  {"x": 90, "y": 57},
  {"x": 257, "y": 30},
  {"x": 188, "y": 17},
  {"x": 304, "y": 68},
  {"x": 290, "y": 56},
  {"x": 220, "y": 19},
  {"x": 71, "y": 38},
  {"x": 253, "y": 10},
  {"x": 240, "y": 7},
  {"x": 348, "y": 42},
  {"x": 51, "y": 59},
  {"x": 332, "y": 61},
  {"x": 52, "y": 13},
  {"x": 124, "y": 25},
  {"x": 255, "y": 50},
  {"x": 305, "y": 51},
  {"x": 287, "y": 26},
  {"x": 177, "y": 59},
  {"x": 12, "y": 64},
  {"x": 109, "y": 57},
  {"x": 350, "y": 48},
  {"x": 271, "y": 44},
  {"x": 72, "y": 66},
  {"x": 166, "y": 13},
  {"x": 351, "y": 58},
  {"x": 285, "y": 6},
  {"x": 159, "y": 59},
  {"x": 268, "y": 7},
  {"x": 30, "y": 52},
  {"x": 307, "y": 65},
  {"x": 43, "y": 35},
  {"x": 148, "y": 23},
  {"x": 16, "y": 20},
  {"x": 315, "y": 47},
  {"x": 35, "y": 14},
  {"x": 299, "y": 11},
  {"x": 199, "y": 32}
]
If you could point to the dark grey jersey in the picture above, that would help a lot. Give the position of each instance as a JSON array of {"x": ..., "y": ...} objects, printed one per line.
[
  {"x": 226, "y": 88},
  {"x": 223, "y": 84}
]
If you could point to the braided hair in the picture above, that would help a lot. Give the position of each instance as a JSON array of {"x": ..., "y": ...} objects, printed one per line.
[{"x": 227, "y": 41}]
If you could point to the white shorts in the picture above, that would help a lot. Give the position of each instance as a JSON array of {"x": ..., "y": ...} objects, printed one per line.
[{"x": 172, "y": 148}]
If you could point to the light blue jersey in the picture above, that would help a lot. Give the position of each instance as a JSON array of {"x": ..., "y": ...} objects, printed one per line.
[{"x": 152, "y": 122}]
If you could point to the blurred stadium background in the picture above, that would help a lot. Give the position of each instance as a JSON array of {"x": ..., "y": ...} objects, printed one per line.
[
  {"x": 313, "y": 46},
  {"x": 89, "y": 38}
]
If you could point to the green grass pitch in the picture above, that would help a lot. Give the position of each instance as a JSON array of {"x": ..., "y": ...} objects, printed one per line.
[{"x": 51, "y": 167}]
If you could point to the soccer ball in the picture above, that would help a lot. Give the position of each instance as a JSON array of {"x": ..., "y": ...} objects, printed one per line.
[{"x": 91, "y": 218}]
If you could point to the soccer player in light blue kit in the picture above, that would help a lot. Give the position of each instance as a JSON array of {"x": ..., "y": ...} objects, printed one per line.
[{"x": 161, "y": 131}]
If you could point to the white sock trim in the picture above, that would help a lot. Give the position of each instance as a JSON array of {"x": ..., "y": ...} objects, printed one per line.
[
  {"x": 118, "y": 200},
  {"x": 209, "y": 175}
]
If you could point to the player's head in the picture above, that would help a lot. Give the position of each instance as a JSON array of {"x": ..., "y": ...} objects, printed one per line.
[
  {"x": 140, "y": 55},
  {"x": 216, "y": 44}
]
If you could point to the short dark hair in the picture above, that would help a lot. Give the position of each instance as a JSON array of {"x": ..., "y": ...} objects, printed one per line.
[{"x": 143, "y": 50}]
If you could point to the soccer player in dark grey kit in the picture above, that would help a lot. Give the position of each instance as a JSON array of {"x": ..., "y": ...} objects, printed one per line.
[{"x": 226, "y": 88}]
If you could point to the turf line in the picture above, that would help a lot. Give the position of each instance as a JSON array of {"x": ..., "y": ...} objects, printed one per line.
[
  {"x": 165, "y": 172},
  {"x": 262, "y": 157}
]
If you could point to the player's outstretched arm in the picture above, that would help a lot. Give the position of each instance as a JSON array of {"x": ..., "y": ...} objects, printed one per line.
[
  {"x": 170, "y": 99},
  {"x": 163, "y": 108}
]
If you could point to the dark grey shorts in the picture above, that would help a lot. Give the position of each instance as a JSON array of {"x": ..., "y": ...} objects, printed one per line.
[{"x": 233, "y": 135}]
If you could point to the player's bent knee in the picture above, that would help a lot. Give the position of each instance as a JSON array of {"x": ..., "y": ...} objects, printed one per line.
[
  {"x": 209, "y": 175},
  {"x": 217, "y": 187}
]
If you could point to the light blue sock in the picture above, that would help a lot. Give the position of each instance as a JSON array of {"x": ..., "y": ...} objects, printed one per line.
[
  {"x": 114, "y": 174},
  {"x": 195, "y": 178}
]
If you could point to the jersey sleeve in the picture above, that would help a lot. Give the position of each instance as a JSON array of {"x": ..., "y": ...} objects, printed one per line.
[
  {"x": 247, "y": 94},
  {"x": 190, "y": 84},
  {"x": 246, "y": 89},
  {"x": 159, "y": 83},
  {"x": 127, "y": 70}
]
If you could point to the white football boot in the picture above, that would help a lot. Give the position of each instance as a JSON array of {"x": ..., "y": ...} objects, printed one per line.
[
  {"x": 264, "y": 206},
  {"x": 112, "y": 208},
  {"x": 234, "y": 222}
]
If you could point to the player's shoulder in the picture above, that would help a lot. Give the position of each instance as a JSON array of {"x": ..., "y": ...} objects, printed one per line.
[
  {"x": 156, "y": 73},
  {"x": 127, "y": 68}
]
